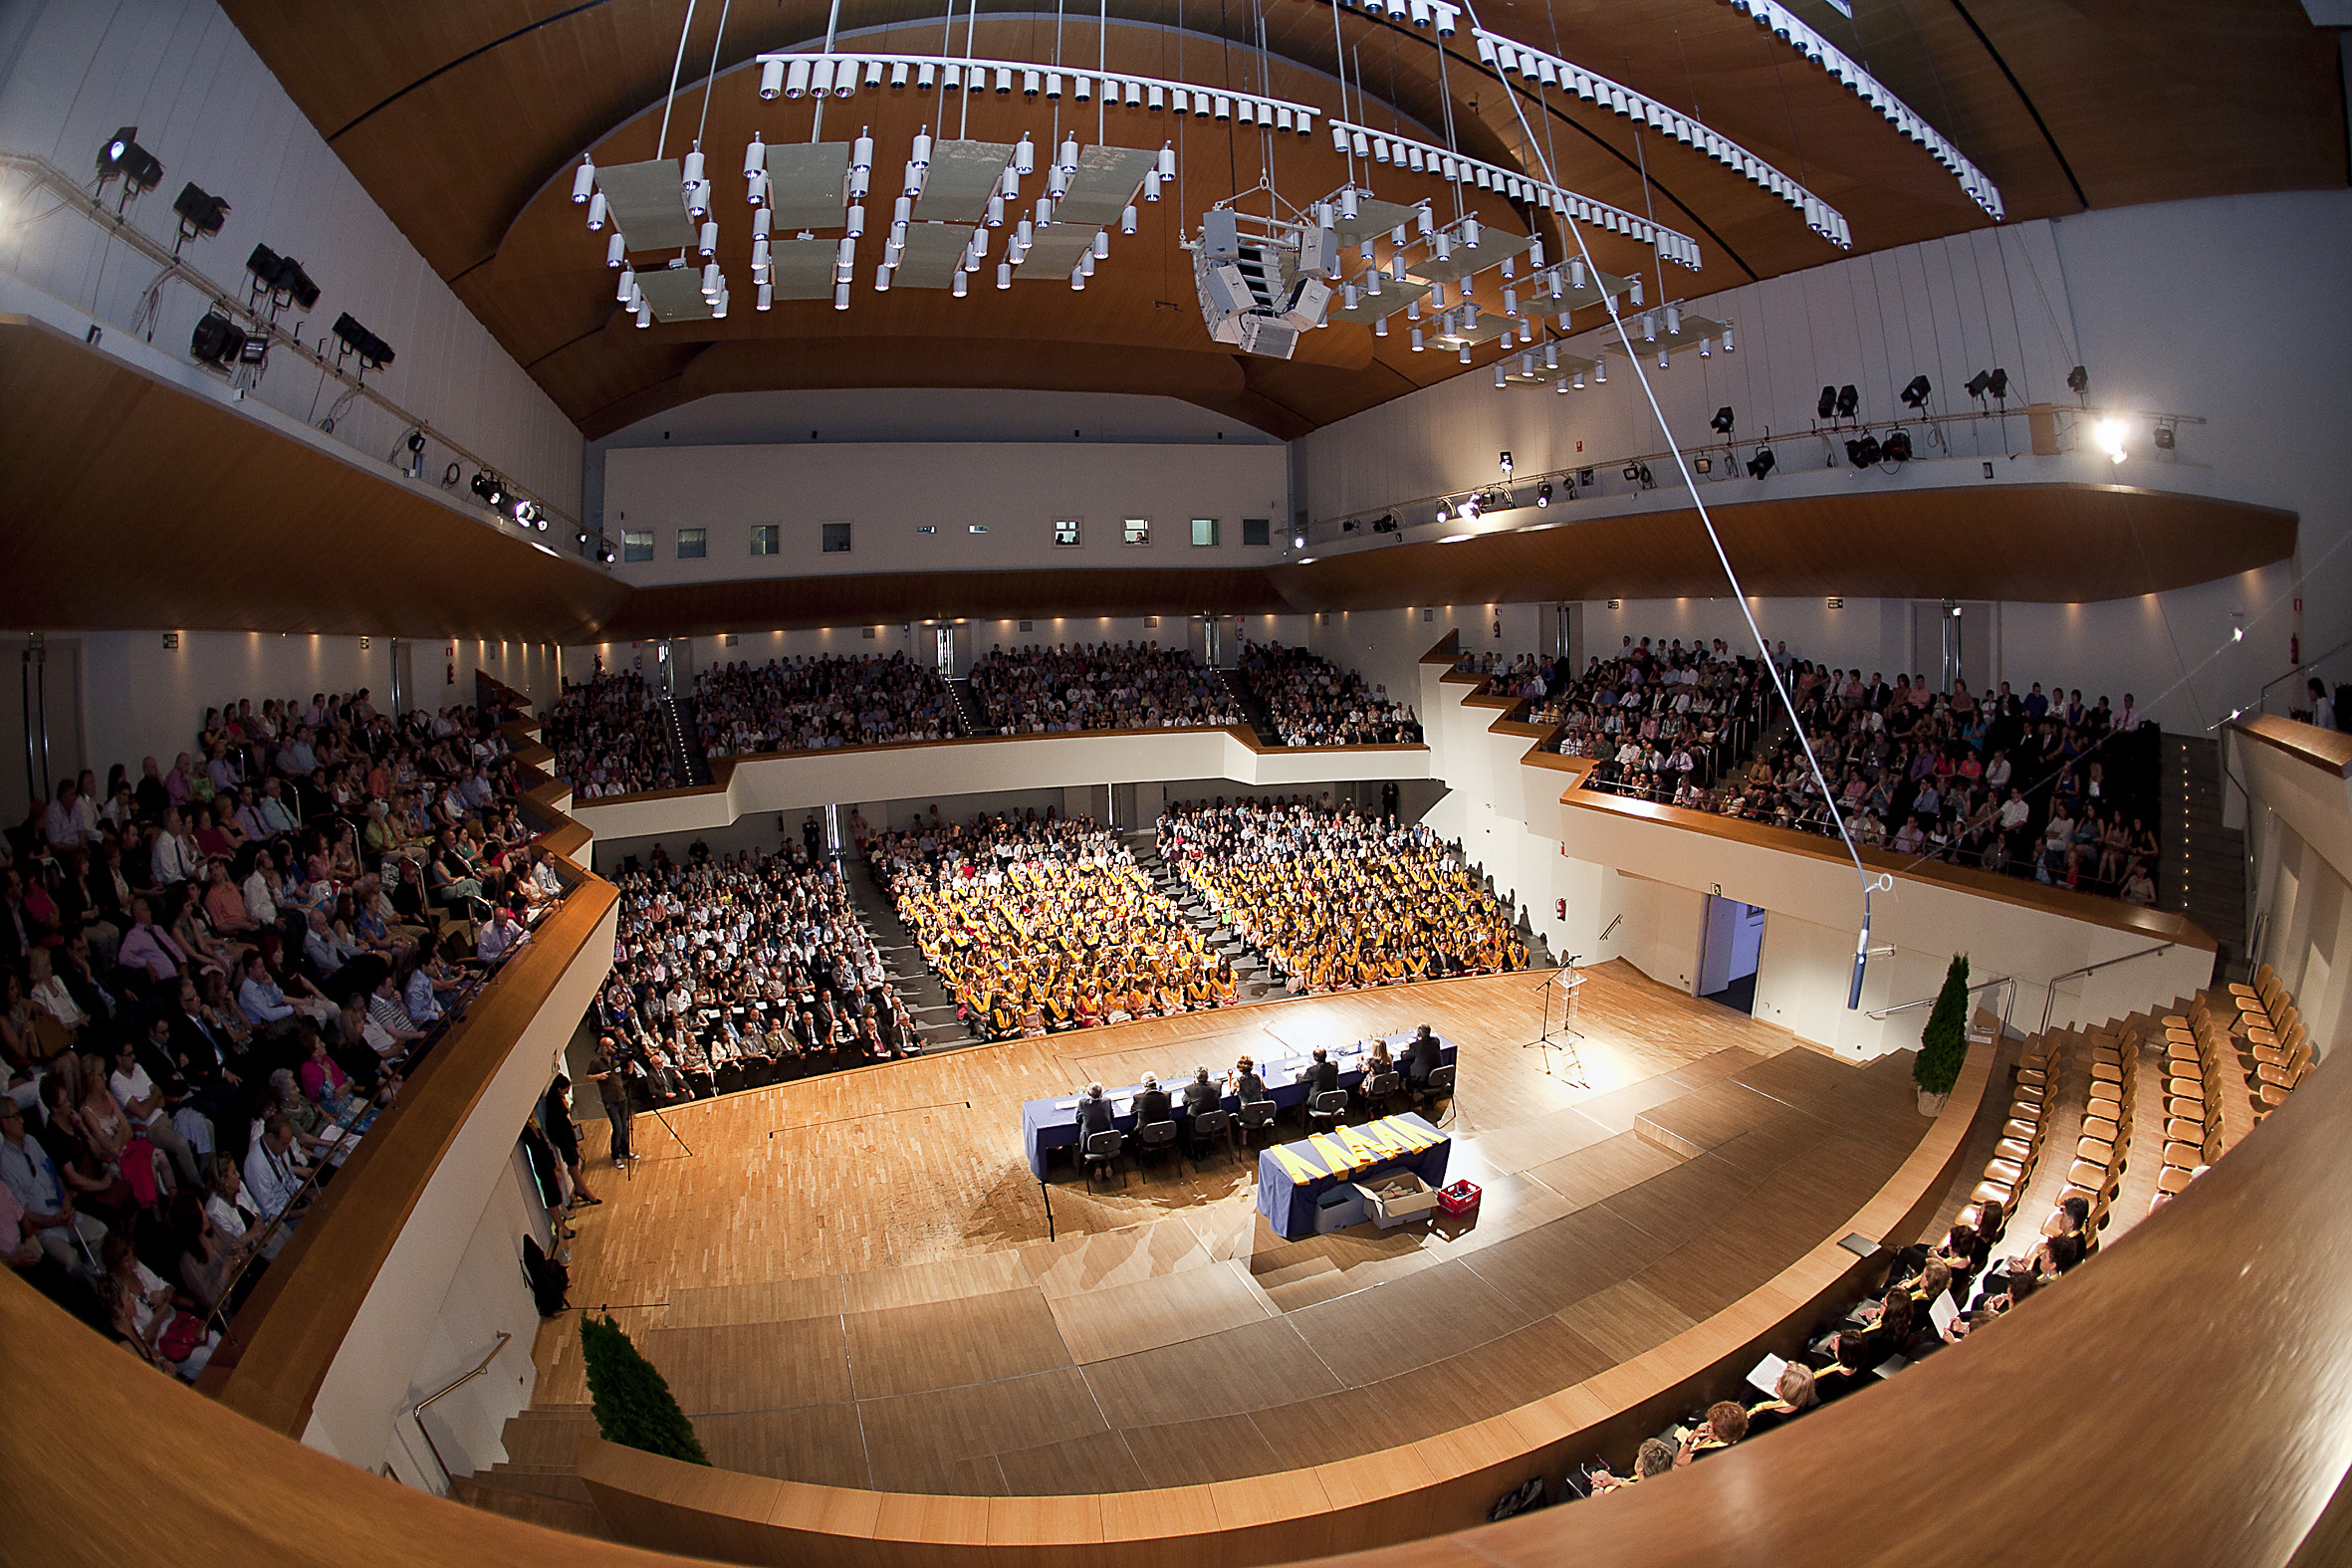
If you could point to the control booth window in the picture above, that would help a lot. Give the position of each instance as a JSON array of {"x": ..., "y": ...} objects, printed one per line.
[
  {"x": 764, "y": 537},
  {"x": 837, "y": 539},
  {"x": 1065, "y": 532},
  {"x": 1204, "y": 530},
  {"x": 637, "y": 545},
  {"x": 693, "y": 542},
  {"x": 1257, "y": 531},
  {"x": 1135, "y": 531}
]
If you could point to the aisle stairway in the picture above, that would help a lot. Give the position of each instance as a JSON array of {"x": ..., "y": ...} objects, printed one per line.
[
  {"x": 1251, "y": 972},
  {"x": 683, "y": 733},
  {"x": 971, "y": 712},
  {"x": 2203, "y": 874},
  {"x": 928, "y": 1001},
  {"x": 540, "y": 1480},
  {"x": 1253, "y": 710}
]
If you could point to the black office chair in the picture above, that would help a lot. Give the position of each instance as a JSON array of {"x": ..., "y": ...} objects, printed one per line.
[
  {"x": 1155, "y": 1139},
  {"x": 1256, "y": 1114},
  {"x": 1377, "y": 1087},
  {"x": 1329, "y": 1106},
  {"x": 1439, "y": 1087},
  {"x": 1210, "y": 1124},
  {"x": 1101, "y": 1151}
]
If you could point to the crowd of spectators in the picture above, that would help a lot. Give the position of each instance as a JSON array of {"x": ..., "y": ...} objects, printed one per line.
[
  {"x": 741, "y": 971},
  {"x": 1663, "y": 722},
  {"x": 1337, "y": 900},
  {"x": 212, "y": 977},
  {"x": 1098, "y": 686},
  {"x": 1044, "y": 922},
  {"x": 606, "y": 737},
  {"x": 2039, "y": 784},
  {"x": 1312, "y": 702},
  {"x": 815, "y": 703},
  {"x": 1931, "y": 1297}
]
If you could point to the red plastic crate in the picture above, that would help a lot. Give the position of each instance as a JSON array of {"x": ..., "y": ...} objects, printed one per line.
[{"x": 1458, "y": 1198}]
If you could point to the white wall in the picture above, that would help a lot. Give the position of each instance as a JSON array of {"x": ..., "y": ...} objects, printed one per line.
[
  {"x": 2188, "y": 308},
  {"x": 887, "y": 492},
  {"x": 71, "y": 71},
  {"x": 2298, "y": 819}
]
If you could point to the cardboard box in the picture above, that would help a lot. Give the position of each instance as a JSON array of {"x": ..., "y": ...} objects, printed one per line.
[
  {"x": 1338, "y": 1207},
  {"x": 1394, "y": 1199}
]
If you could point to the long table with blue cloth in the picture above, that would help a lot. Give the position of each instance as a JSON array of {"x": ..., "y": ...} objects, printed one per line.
[
  {"x": 1293, "y": 1178},
  {"x": 1050, "y": 1124}
]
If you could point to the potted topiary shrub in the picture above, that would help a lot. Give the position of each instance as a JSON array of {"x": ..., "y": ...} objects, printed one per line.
[
  {"x": 1943, "y": 1043},
  {"x": 631, "y": 1400}
]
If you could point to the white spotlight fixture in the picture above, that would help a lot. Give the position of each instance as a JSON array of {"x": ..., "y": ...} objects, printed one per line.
[
  {"x": 712, "y": 281},
  {"x": 1003, "y": 274},
  {"x": 1151, "y": 185},
  {"x": 843, "y": 260},
  {"x": 1025, "y": 156},
  {"x": 1380, "y": 327},
  {"x": 1674, "y": 320},
  {"x": 709, "y": 242},
  {"x": 1068, "y": 163},
  {"x": 1417, "y": 344},
  {"x": 596, "y": 213},
  {"x": 628, "y": 284},
  {"x": 1500, "y": 379},
  {"x": 698, "y": 198},
  {"x": 617, "y": 249},
  {"x": 1102, "y": 246},
  {"x": 840, "y": 296},
  {"x": 583, "y": 183},
  {"x": 719, "y": 307},
  {"x": 2110, "y": 437},
  {"x": 1126, "y": 221},
  {"x": 1169, "y": 160},
  {"x": 856, "y": 222},
  {"x": 693, "y": 169},
  {"x": 765, "y": 298},
  {"x": 996, "y": 212},
  {"x": 1077, "y": 277},
  {"x": 754, "y": 157},
  {"x": 1601, "y": 369},
  {"x": 1727, "y": 338},
  {"x": 1578, "y": 383},
  {"x": 1465, "y": 354},
  {"x": 644, "y": 314},
  {"x": 772, "y": 78},
  {"x": 882, "y": 279},
  {"x": 958, "y": 288}
]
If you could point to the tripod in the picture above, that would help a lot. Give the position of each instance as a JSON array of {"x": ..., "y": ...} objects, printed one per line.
[
  {"x": 630, "y": 1170},
  {"x": 1568, "y": 982}
]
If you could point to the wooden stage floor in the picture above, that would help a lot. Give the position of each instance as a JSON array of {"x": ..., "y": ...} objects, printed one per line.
[{"x": 848, "y": 1280}]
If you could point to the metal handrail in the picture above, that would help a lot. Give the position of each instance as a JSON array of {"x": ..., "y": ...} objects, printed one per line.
[
  {"x": 2050, "y": 999},
  {"x": 2262, "y": 698},
  {"x": 2009, "y": 980},
  {"x": 417, "y": 1414}
]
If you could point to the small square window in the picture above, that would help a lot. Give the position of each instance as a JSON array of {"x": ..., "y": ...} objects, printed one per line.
[
  {"x": 1204, "y": 530},
  {"x": 837, "y": 539},
  {"x": 637, "y": 545},
  {"x": 693, "y": 542},
  {"x": 1065, "y": 532},
  {"x": 1135, "y": 531},
  {"x": 763, "y": 539},
  {"x": 1256, "y": 531}
]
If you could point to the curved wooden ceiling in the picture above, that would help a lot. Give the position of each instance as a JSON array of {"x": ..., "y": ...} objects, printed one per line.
[{"x": 462, "y": 117}]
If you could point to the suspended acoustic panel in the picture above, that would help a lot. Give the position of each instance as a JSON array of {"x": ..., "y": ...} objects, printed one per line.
[
  {"x": 1055, "y": 251},
  {"x": 929, "y": 258},
  {"x": 806, "y": 184},
  {"x": 1494, "y": 246},
  {"x": 1534, "y": 377},
  {"x": 1373, "y": 218},
  {"x": 1485, "y": 330},
  {"x": 803, "y": 269},
  {"x": 1394, "y": 295},
  {"x": 1105, "y": 182},
  {"x": 647, "y": 202},
  {"x": 675, "y": 293},
  {"x": 963, "y": 175}
]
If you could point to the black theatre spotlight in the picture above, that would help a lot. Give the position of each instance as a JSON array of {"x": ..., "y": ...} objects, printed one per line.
[
  {"x": 1387, "y": 524},
  {"x": 1827, "y": 406},
  {"x": 492, "y": 494},
  {"x": 1864, "y": 452},
  {"x": 1760, "y": 464},
  {"x": 1896, "y": 446},
  {"x": 1998, "y": 384},
  {"x": 1977, "y": 382},
  {"x": 1849, "y": 401},
  {"x": 1544, "y": 494},
  {"x": 2078, "y": 380},
  {"x": 201, "y": 212},
  {"x": 375, "y": 353},
  {"x": 1347, "y": 526},
  {"x": 217, "y": 341},
  {"x": 281, "y": 278},
  {"x": 607, "y": 557},
  {"x": 1633, "y": 471},
  {"x": 122, "y": 158},
  {"x": 1721, "y": 424},
  {"x": 1916, "y": 395}
]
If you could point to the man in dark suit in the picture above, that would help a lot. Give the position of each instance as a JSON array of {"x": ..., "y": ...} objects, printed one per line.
[
  {"x": 1322, "y": 1075},
  {"x": 1421, "y": 1059},
  {"x": 1151, "y": 1102}
]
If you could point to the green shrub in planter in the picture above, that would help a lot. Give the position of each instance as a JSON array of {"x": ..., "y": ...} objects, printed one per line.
[
  {"x": 632, "y": 1400},
  {"x": 1943, "y": 1043}
]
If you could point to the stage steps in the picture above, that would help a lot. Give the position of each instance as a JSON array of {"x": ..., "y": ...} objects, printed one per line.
[
  {"x": 539, "y": 1480},
  {"x": 1251, "y": 974},
  {"x": 928, "y": 1000}
]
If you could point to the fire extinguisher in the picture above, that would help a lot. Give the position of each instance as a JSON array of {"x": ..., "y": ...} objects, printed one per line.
[
  {"x": 1559, "y": 909},
  {"x": 451, "y": 678},
  {"x": 1498, "y": 628}
]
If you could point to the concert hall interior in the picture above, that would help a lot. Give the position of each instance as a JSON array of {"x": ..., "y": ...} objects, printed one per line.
[{"x": 1336, "y": 784}]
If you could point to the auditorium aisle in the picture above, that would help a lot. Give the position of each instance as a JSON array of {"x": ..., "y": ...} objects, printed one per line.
[{"x": 928, "y": 1001}]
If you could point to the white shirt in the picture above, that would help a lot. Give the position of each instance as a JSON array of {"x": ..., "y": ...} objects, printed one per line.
[
  {"x": 132, "y": 1086},
  {"x": 271, "y": 1179}
]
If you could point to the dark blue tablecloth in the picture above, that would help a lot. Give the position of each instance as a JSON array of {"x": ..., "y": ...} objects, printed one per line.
[
  {"x": 1050, "y": 1124},
  {"x": 1293, "y": 1175}
]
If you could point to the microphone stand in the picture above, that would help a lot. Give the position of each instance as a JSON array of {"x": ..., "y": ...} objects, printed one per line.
[{"x": 1544, "y": 1043}]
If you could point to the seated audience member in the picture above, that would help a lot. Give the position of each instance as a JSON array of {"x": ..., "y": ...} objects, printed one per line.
[
  {"x": 1039, "y": 691},
  {"x": 1656, "y": 1457},
  {"x": 1725, "y": 1424},
  {"x": 1793, "y": 1395},
  {"x": 67, "y": 1236},
  {"x": 813, "y": 703},
  {"x": 1312, "y": 702}
]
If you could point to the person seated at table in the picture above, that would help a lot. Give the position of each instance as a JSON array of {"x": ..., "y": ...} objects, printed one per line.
[
  {"x": 1322, "y": 1075},
  {"x": 1151, "y": 1103},
  {"x": 1421, "y": 1058},
  {"x": 1377, "y": 1063},
  {"x": 1246, "y": 1084},
  {"x": 1094, "y": 1115}
]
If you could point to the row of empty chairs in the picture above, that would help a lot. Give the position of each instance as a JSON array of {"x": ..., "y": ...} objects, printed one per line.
[
  {"x": 2018, "y": 1153},
  {"x": 2277, "y": 1053}
]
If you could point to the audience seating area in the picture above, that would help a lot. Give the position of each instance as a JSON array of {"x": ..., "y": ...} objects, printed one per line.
[
  {"x": 1336, "y": 900},
  {"x": 744, "y": 970},
  {"x": 1041, "y": 924},
  {"x": 607, "y": 738},
  {"x": 817, "y": 703},
  {"x": 215, "y": 980},
  {"x": 1310, "y": 701},
  {"x": 1098, "y": 686},
  {"x": 1665, "y": 723}
]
